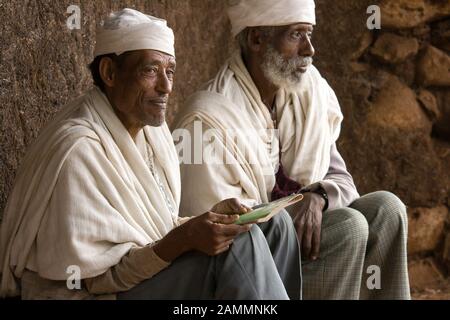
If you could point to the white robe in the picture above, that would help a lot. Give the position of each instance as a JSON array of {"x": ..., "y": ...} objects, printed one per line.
[
  {"x": 309, "y": 120},
  {"x": 112, "y": 201}
]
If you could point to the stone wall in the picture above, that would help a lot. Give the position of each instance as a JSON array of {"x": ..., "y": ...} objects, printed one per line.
[
  {"x": 401, "y": 89},
  {"x": 393, "y": 86}
]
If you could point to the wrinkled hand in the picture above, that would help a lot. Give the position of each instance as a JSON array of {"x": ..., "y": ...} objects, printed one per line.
[
  {"x": 308, "y": 223},
  {"x": 213, "y": 233},
  {"x": 230, "y": 206}
]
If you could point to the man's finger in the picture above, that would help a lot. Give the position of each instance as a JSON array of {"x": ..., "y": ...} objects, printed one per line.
[
  {"x": 226, "y": 244},
  {"x": 236, "y": 206},
  {"x": 233, "y": 230},
  {"x": 315, "y": 245},
  {"x": 224, "y": 247},
  {"x": 306, "y": 241},
  {"x": 245, "y": 208},
  {"x": 222, "y": 218}
]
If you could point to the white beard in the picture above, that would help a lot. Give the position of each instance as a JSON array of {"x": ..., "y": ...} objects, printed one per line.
[{"x": 281, "y": 72}]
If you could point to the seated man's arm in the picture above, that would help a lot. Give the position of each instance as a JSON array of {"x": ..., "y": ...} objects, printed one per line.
[
  {"x": 337, "y": 183},
  {"x": 211, "y": 233},
  {"x": 138, "y": 265}
]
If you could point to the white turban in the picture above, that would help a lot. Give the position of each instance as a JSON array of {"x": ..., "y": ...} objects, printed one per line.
[
  {"x": 129, "y": 30},
  {"x": 253, "y": 13}
]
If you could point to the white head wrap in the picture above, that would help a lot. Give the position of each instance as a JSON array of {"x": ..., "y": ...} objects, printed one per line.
[
  {"x": 129, "y": 30},
  {"x": 253, "y": 13}
]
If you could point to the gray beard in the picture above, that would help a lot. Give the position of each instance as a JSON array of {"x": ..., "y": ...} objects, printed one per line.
[{"x": 281, "y": 72}]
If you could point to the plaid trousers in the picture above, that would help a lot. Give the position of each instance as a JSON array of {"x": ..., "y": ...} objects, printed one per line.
[{"x": 372, "y": 231}]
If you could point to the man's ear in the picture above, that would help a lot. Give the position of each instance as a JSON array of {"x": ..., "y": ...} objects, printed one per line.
[
  {"x": 255, "y": 39},
  {"x": 107, "y": 71}
]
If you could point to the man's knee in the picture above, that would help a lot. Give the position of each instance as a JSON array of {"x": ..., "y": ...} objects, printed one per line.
[
  {"x": 279, "y": 226},
  {"x": 354, "y": 228},
  {"x": 389, "y": 207},
  {"x": 282, "y": 220}
]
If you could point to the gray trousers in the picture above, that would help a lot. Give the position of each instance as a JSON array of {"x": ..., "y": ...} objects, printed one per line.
[
  {"x": 371, "y": 232},
  {"x": 261, "y": 264}
]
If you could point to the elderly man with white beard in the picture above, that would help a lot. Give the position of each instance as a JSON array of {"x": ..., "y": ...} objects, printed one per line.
[
  {"x": 96, "y": 200},
  {"x": 271, "y": 86}
]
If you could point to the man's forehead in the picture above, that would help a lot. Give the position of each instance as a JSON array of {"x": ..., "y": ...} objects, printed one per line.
[
  {"x": 154, "y": 56},
  {"x": 301, "y": 26}
]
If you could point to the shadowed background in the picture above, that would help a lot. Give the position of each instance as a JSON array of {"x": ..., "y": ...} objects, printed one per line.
[{"x": 393, "y": 86}]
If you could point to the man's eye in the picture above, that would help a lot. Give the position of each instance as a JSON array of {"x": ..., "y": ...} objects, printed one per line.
[
  {"x": 296, "y": 35},
  {"x": 170, "y": 73},
  {"x": 151, "y": 70}
]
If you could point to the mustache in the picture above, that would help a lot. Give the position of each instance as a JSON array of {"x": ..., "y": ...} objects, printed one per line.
[
  {"x": 159, "y": 100},
  {"x": 284, "y": 72},
  {"x": 297, "y": 62}
]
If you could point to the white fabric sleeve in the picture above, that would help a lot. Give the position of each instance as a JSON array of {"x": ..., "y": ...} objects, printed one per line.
[
  {"x": 138, "y": 265},
  {"x": 338, "y": 182}
]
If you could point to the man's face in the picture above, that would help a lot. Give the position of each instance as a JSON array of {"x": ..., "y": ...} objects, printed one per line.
[
  {"x": 142, "y": 85},
  {"x": 288, "y": 54}
]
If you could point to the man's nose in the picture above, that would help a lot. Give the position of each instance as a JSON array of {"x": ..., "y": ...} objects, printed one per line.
[
  {"x": 164, "y": 84},
  {"x": 306, "y": 49}
]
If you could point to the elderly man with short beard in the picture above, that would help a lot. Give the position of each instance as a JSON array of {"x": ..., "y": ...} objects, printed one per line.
[
  {"x": 94, "y": 210},
  {"x": 271, "y": 112}
]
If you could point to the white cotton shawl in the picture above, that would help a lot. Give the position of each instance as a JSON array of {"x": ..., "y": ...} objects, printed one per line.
[
  {"x": 127, "y": 208},
  {"x": 309, "y": 120}
]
